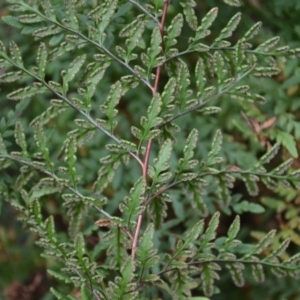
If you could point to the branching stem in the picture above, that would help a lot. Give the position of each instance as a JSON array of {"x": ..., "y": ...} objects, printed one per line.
[{"x": 149, "y": 144}]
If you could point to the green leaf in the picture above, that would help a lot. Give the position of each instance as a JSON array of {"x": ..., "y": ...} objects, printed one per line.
[
  {"x": 252, "y": 32},
  {"x": 258, "y": 272},
  {"x": 92, "y": 76},
  {"x": 174, "y": 31},
  {"x": 76, "y": 212},
  {"x": 60, "y": 276},
  {"x": 161, "y": 163},
  {"x": 106, "y": 15},
  {"x": 36, "y": 211},
  {"x": 199, "y": 204},
  {"x": 158, "y": 209},
  {"x": 191, "y": 144},
  {"x": 57, "y": 294},
  {"x": 209, "y": 110},
  {"x": 210, "y": 232},
  {"x": 127, "y": 271},
  {"x": 288, "y": 141},
  {"x": 56, "y": 108},
  {"x": 2, "y": 146},
  {"x": 73, "y": 69},
  {"x": 48, "y": 9},
  {"x": 41, "y": 142},
  {"x": 236, "y": 272},
  {"x": 251, "y": 185},
  {"x": 134, "y": 33},
  {"x": 268, "y": 45},
  {"x": 12, "y": 21},
  {"x": 146, "y": 252},
  {"x": 85, "y": 293},
  {"x": 189, "y": 13},
  {"x": 49, "y": 223},
  {"x": 42, "y": 60},
  {"x": 30, "y": 19},
  {"x": 202, "y": 31},
  {"x": 191, "y": 236},
  {"x": 282, "y": 168},
  {"x": 15, "y": 53},
  {"x": 112, "y": 100},
  {"x": 233, "y": 2},
  {"x": 263, "y": 243},
  {"x": 79, "y": 245},
  {"x": 215, "y": 146},
  {"x": 20, "y": 137},
  {"x": 279, "y": 250},
  {"x": 11, "y": 76},
  {"x": 71, "y": 14},
  {"x": 230, "y": 27},
  {"x": 155, "y": 49},
  {"x": 46, "y": 31},
  {"x": 245, "y": 206},
  {"x": 234, "y": 228},
  {"x": 70, "y": 158},
  {"x": 266, "y": 71},
  {"x": 132, "y": 205},
  {"x": 168, "y": 95},
  {"x": 266, "y": 158},
  {"x": 208, "y": 276},
  {"x": 200, "y": 76},
  {"x": 27, "y": 92}
]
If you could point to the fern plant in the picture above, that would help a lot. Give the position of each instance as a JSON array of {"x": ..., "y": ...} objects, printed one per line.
[{"x": 131, "y": 216}]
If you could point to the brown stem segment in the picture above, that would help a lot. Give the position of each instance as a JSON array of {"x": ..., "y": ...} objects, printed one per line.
[{"x": 149, "y": 144}]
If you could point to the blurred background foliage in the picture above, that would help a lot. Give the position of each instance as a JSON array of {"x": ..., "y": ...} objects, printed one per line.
[{"x": 248, "y": 132}]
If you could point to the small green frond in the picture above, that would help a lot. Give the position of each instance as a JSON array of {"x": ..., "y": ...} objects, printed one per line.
[
  {"x": 20, "y": 137},
  {"x": 132, "y": 205},
  {"x": 230, "y": 27},
  {"x": 173, "y": 31},
  {"x": 202, "y": 31},
  {"x": 263, "y": 243},
  {"x": 161, "y": 163},
  {"x": 236, "y": 272},
  {"x": 27, "y": 92},
  {"x": 11, "y": 76},
  {"x": 157, "y": 209},
  {"x": 268, "y": 45},
  {"x": 146, "y": 253},
  {"x": 73, "y": 69},
  {"x": 234, "y": 228},
  {"x": 49, "y": 224},
  {"x": 60, "y": 276},
  {"x": 233, "y": 2},
  {"x": 58, "y": 294},
  {"x": 47, "y": 31},
  {"x": 48, "y": 9},
  {"x": 252, "y": 32},
  {"x": 215, "y": 147},
  {"x": 71, "y": 14},
  {"x": 266, "y": 158},
  {"x": 208, "y": 276},
  {"x": 12, "y": 21},
  {"x": 258, "y": 272},
  {"x": 15, "y": 53},
  {"x": 210, "y": 232},
  {"x": 30, "y": 18},
  {"x": 86, "y": 294},
  {"x": 79, "y": 245},
  {"x": 189, "y": 13}
]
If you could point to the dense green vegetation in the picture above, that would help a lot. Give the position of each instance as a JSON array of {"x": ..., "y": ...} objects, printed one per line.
[{"x": 220, "y": 184}]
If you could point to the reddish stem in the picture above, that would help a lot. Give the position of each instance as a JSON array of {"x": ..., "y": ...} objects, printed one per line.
[{"x": 149, "y": 144}]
